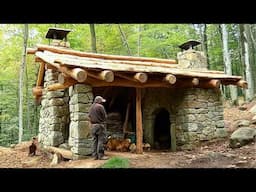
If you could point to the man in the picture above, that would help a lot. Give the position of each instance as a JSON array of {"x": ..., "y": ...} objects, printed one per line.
[{"x": 97, "y": 116}]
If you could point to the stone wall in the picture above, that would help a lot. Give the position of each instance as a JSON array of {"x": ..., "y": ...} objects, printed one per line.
[
  {"x": 199, "y": 116},
  {"x": 81, "y": 98},
  {"x": 195, "y": 115},
  {"x": 54, "y": 113},
  {"x": 192, "y": 59},
  {"x": 154, "y": 99}
]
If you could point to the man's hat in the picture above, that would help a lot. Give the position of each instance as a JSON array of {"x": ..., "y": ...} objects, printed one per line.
[{"x": 99, "y": 99}]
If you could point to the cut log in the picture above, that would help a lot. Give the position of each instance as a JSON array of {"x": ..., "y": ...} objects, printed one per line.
[
  {"x": 76, "y": 73},
  {"x": 105, "y": 75},
  {"x": 213, "y": 83},
  {"x": 138, "y": 77},
  {"x": 58, "y": 86},
  {"x": 195, "y": 81},
  {"x": 103, "y": 56},
  {"x": 37, "y": 91},
  {"x": 170, "y": 78},
  {"x": 31, "y": 50},
  {"x": 64, "y": 153},
  {"x": 242, "y": 84},
  {"x": 139, "y": 130},
  {"x": 141, "y": 77}
]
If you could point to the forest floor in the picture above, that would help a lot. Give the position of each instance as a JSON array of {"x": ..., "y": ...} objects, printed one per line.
[{"x": 212, "y": 154}]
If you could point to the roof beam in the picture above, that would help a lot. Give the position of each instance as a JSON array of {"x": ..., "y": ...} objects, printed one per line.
[
  {"x": 105, "y": 75},
  {"x": 138, "y": 77},
  {"x": 170, "y": 78}
]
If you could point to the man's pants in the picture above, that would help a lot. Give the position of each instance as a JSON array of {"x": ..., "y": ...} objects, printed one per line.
[{"x": 99, "y": 138}]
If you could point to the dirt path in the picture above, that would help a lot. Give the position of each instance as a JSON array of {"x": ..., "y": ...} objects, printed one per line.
[{"x": 213, "y": 155}]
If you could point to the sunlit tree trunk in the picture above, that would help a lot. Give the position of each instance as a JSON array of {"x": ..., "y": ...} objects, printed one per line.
[
  {"x": 227, "y": 61},
  {"x": 249, "y": 93},
  {"x": 27, "y": 98},
  {"x": 93, "y": 38},
  {"x": 139, "y": 39},
  {"x": 203, "y": 34},
  {"x": 22, "y": 68},
  {"x": 125, "y": 42}
]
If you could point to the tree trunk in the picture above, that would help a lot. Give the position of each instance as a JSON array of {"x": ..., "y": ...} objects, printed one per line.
[
  {"x": 249, "y": 93},
  {"x": 253, "y": 52},
  {"x": 22, "y": 67},
  {"x": 27, "y": 98},
  {"x": 203, "y": 34},
  {"x": 93, "y": 38},
  {"x": 228, "y": 67},
  {"x": 139, "y": 40},
  {"x": 124, "y": 40}
]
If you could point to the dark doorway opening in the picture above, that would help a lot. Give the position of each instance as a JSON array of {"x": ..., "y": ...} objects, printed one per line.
[
  {"x": 120, "y": 107},
  {"x": 162, "y": 135}
]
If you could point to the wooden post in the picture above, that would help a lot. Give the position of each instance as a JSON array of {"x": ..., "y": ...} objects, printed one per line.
[{"x": 139, "y": 130}]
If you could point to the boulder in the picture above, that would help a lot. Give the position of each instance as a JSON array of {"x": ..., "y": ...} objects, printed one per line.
[
  {"x": 242, "y": 136},
  {"x": 253, "y": 109}
]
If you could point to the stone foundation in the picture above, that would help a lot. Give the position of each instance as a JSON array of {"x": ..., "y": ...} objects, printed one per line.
[
  {"x": 54, "y": 113},
  {"x": 81, "y": 98}
]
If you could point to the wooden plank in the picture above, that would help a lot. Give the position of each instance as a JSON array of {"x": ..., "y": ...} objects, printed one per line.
[
  {"x": 139, "y": 130},
  {"x": 101, "y": 64},
  {"x": 103, "y": 56}
]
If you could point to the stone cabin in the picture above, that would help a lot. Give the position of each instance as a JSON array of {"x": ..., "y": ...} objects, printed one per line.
[{"x": 167, "y": 103}]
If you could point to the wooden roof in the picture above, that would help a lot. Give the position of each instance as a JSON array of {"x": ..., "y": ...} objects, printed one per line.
[{"x": 113, "y": 70}]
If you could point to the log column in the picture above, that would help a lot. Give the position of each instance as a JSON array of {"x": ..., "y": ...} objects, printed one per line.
[{"x": 139, "y": 129}]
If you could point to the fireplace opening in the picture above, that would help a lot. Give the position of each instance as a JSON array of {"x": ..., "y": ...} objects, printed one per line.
[{"x": 162, "y": 135}]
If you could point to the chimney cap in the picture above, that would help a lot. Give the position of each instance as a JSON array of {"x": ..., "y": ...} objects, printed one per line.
[
  {"x": 189, "y": 44},
  {"x": 57, "y": 33}
]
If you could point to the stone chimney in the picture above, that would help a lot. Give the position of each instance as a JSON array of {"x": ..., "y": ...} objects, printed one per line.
[
  {"x": 58, "y": 37},
  {"x": 190, "y": 58}
]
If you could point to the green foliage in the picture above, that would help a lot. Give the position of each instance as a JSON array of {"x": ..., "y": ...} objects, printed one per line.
[
  {"x": 156, "y": 40},
  {"x": 116, "y": 162}
]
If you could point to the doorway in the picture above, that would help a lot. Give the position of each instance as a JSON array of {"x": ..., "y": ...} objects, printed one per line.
[{"x": 162, "y": 134}]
